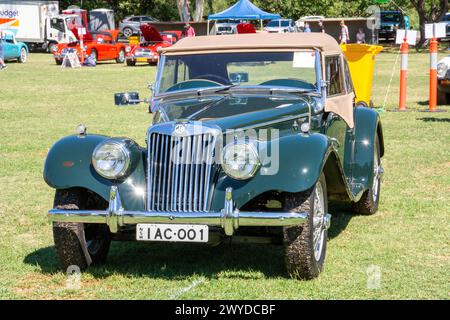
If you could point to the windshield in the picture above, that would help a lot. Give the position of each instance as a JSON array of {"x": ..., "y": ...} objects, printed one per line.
[
  {"x": 277, "y": 23},
  {"x": 242, "y": 69},
  {"x": 390, "y": 17}
]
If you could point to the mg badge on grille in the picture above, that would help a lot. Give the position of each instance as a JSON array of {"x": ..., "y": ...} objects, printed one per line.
[{"x": 180, "y": 129}]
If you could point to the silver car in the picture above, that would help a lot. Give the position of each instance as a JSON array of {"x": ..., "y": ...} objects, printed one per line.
[
  {"x": 131, "y": 25},
  {"x": 280, "y": 26}
]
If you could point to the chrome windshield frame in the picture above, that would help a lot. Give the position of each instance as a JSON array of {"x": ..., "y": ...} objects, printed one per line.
[{"x": 159, "y": 72}]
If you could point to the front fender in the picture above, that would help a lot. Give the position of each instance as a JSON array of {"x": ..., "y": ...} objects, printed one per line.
[
  {"x": 300, "y": 163},
  {"x": 68, "y": 165}
]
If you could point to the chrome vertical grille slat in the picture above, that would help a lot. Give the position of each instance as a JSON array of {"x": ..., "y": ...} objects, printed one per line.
[{"x": 180, "y": 172}]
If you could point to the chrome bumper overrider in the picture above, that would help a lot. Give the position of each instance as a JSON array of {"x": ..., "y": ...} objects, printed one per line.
[{"x": 228, "y": 218}]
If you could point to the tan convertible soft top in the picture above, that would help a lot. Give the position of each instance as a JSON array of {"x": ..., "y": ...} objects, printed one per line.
[{"x": 255, "y": 41}]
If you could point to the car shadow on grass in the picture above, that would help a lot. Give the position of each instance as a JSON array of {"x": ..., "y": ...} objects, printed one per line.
[
  {"x": 180, "y": 261},
  {"x": 430, "y": 119}
]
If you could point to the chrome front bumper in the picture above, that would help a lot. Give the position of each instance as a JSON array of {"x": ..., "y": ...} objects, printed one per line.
[{"x": 228, "y": 218}]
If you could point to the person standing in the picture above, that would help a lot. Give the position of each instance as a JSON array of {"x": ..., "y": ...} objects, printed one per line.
[
  {"x": 307, "y": 28},
  {"x": 188, "y": 30},
  {"x": 344, "y": 38},
  {"x": 2, "y": 61},
  {"x": 360, "y": 36},
  {"x": 321, "y": 26}
]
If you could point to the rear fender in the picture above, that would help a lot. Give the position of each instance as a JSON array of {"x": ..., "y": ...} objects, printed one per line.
[{"x": 367, "y": 128}]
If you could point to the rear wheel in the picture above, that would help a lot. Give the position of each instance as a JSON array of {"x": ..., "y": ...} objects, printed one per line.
[
  {"x": 121, "y": 57},
  {"x": 305, "y": 245},
  {"x": 368, "y": 204},
  {"x": 23, "y": 56},
  {"x": 77, "y": 243},
  {"x": 127, "y": 32},
  {"x": 442, "y": 97}
]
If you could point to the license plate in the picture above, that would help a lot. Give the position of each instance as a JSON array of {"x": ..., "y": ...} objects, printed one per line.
[
  {"x": 142, "y": 59},
  {"x": 172, "y": 232}
]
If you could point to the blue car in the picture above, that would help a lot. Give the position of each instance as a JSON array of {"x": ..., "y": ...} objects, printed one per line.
[{"x": 12, "y": 49}]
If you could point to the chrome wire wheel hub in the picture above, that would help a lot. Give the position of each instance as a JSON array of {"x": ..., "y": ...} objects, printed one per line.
[
  {"x": 377, "y": 174},
  {"x": 320, "y": 222},
  {"x": 23, "y": 55}
]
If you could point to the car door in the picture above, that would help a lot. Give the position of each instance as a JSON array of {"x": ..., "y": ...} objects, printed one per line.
[
  {"x": 10, "y": 50},
  {"x": 337, "y": 95}
]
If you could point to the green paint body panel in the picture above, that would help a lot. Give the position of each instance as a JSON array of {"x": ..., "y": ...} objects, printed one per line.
[
  {"x": 68, "y": 164},
  {"x": 301, "y": 161},
  {"x": 302, "y": 156}
]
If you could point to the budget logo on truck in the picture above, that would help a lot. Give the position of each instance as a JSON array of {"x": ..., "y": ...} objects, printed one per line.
[{"x": 9, "y": 19}]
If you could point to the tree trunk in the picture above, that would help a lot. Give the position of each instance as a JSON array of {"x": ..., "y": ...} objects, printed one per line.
[
  {"x": 198, "y": 10},
  {"x": 184, "y": 10}
]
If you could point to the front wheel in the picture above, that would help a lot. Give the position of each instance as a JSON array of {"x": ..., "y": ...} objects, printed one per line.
[
  {"x": 121, "y": 57},
  {"x": 305, "y": 245},
  {"x": 78, "y": 244},
  {"x": 442, "y": 97},
  {"x": 131, "y": 63},
  {"x": 23, "y": 56}
]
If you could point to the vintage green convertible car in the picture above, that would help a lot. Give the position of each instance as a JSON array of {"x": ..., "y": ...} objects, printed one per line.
[{"x": 252, "y": 136}]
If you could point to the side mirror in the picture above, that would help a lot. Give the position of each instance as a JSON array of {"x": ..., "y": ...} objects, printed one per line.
[{"x": 126, "y": 98}]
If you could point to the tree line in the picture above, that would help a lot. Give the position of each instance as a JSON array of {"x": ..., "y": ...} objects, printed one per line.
[{"x": 420, "y": 11}]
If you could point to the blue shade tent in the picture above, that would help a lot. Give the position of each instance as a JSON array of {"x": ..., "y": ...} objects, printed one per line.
[{"x": 243, "y": 9}]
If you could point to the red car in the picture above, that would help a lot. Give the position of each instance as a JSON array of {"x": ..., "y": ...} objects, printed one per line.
[
  {"x": 102, "y": 46},
  {"x": 147, "y": 51}
]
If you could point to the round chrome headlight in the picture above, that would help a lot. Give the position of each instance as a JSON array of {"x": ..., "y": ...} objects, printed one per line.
[
  {"x": 111, "y": 159},
  {"x": 240, "y": 160},
  {"x": 442, "y": 69},
  {"x": 128, "y": 49}
]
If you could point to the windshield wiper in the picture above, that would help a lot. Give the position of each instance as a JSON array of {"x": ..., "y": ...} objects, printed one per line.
[
  {"x": 294, "y": 90},
  {"x": 221, "y": 89}
]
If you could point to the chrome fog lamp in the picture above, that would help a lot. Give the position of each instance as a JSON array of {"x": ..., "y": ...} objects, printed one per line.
[
  {"x": 240, "y": 160},
  {"x": 442, "y": 69},
  {"x": 111, "y": 159},
  {"x": 128, "y": 49}
]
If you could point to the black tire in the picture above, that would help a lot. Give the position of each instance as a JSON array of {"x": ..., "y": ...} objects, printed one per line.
[
  {"x": 131, "y": 63},
  {"x": 368, "y": 204},
  {"x": 121, "y": 57},
  {"x": 77, "y": 243},
  {"x": 58, "y": 62},
  {"x": 23, "y": 56},
  {"x": 127, "y": 32},
  {"x": 442, "y": 97},
  {"x": 52, "y": 47},
  {"x": 301, "y": 258}
]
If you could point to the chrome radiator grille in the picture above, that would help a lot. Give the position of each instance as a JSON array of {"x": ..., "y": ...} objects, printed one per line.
[{"x": 180, "y": 172}]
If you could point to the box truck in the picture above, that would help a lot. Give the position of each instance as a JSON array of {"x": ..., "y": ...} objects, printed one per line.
[{"x": 37, "y": 23}]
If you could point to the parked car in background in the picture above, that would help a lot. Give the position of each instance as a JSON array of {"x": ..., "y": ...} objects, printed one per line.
[
  {"x": 101, "y": 46},
  {"x": 131, "y": 25},
  {"x": 148, "y": 50},
  {"x": 244, "y": 144},
  {"x": 280, "y": 26},
  {"x": 13, "y": 49},
  {"x": 446, "y": 19},
  {"x": 443, "y": 75},
  {"x": 226, "y": 26},
  {"x": 390, "y": 21}
]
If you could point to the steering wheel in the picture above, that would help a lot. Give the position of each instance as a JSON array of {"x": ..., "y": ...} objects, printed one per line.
[
  {"x": 192, "y": 83},
  {"x": 214, "y": 77}
]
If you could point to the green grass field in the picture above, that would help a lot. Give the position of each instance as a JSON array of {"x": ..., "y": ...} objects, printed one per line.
[{"x": 408, "y": 239}]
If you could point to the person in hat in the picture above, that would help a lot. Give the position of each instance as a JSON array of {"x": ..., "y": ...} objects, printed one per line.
[{"x": 188, "y": 30}]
